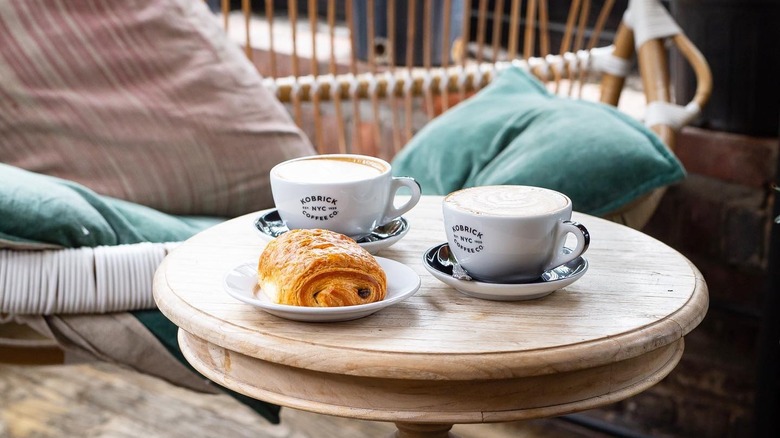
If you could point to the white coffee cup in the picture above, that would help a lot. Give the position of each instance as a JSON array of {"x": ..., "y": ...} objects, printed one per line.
[
  {"x": 346, "y": 193},
  {"x": 511, "y": 234}
]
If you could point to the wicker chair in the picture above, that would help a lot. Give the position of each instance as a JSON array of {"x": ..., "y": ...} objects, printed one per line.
[{"x": 352, "y": 90}]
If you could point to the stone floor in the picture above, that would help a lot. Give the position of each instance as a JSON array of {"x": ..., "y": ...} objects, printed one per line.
[{"x": 103, "y": 400}]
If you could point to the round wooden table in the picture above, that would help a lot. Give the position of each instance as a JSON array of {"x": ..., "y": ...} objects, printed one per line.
[{"x": 441, "y": 357}]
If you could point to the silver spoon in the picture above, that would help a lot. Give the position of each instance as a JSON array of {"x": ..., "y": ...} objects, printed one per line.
[
  {"x": 390, "y": 229},
  {"x": 446, "y": 258}
]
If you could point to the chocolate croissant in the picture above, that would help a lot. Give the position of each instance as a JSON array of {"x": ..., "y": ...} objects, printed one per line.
[{"x": 319, "y": 268}]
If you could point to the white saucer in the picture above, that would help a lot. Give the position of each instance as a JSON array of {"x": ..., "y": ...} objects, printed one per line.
[
  {"x": 402, "y": 283},
  {"x": 548, "y": 283},
  {"x": 270, "y": 226}
]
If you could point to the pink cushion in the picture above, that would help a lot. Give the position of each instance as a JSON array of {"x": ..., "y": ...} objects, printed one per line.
[{"x": 147, "y": 101}]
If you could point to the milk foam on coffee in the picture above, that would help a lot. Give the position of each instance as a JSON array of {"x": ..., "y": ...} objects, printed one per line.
[
  {"x": 322, "y": 170},
  {"x": 516, "y": 201}
]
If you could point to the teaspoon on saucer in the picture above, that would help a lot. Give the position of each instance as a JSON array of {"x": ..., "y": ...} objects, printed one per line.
[
  {"x": 390, "y": 229},
  {"x": 446, "y": 258},
  {"x": 270, "y": 226}
]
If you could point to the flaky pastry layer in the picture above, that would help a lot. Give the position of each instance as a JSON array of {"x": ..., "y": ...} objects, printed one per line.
[{"x": 319, "y": 268}]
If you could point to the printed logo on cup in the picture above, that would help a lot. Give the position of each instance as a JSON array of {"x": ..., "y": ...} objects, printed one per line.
[
  {"x": 346, "y": 193},
  {"x": 319, "y": 208},
  {"x": 468, "y": 239}
]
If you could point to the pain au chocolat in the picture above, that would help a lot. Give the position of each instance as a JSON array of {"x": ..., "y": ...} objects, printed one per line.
[{"x": 319, "y": 268}]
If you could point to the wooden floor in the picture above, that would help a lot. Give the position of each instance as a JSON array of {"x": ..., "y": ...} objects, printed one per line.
[{"x": 103, "y": 400}]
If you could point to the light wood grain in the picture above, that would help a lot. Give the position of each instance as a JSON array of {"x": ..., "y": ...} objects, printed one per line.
[
  {"x": 607, "y": 336},
  {"x": 423, "y": 400}
]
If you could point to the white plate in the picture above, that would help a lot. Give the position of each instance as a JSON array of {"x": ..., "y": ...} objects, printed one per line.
[
  {"x": 402, "y": 283},
  {"x": 548, "y": 283},
  {"x": 270, "y": 226}
]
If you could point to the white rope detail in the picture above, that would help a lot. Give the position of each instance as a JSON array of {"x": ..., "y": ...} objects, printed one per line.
[
  {"x": 371, "y": 82},
  {"x": 408, "y": 82},
  {"x": 427, "y": 79},
  {"x": 295, "y": 89},
  {"x": 353, "y": 85},
  {"x": 444, "y": 79},
  {"x": 572, "y": 62},
  {"x": 333, "y": 84},
  {"x": 602, "y": 60},
  {"x": 673, "y": 115},
  {"x": 79, "y": 280},
  {"x": 477, "y": 78},
  {"x": 490, "y": 70},
  {"x": 309, "y": 81},
  {"x": 314, "y": 87},
  {"x": 555, "y": 62},
  {"x": 649, "y": 20},
  {"x": 462, "y": 78},
  {"x": 519, "y": 63},
  {"x": 390, "y": 81},
  {"x": 542, "y": 65}
]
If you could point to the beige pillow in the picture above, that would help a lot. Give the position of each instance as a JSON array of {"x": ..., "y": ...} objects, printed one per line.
[{"x": 144, "y": 100}]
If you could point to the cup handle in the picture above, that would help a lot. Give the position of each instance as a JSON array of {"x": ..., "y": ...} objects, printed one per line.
[
  {"x": 583, "y": 241},
  {"x": 397, "y": 183}
]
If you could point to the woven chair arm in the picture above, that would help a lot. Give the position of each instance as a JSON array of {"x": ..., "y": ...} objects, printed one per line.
[{"x": 79, "y": 280}]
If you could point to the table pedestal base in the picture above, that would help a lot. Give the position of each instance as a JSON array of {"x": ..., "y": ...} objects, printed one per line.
[
  {"x": 441, "y": 403},
  {"x": 416, "y": 430}
]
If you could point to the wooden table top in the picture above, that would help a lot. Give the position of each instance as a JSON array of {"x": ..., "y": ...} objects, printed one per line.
[{"x": 632, "y": 308}]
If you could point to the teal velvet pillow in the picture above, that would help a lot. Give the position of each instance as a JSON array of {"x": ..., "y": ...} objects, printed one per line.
[
  {"x": 40, "y": 209},
  {"x": 515, "y": 131}
]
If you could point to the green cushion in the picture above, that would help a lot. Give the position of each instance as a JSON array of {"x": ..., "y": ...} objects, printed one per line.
[
  {"x": 515, "y": 131},
  {"x": 40, "y": 209}
]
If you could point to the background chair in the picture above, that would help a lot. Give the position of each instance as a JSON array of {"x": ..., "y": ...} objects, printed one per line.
[{"x": 364, "y": 77}]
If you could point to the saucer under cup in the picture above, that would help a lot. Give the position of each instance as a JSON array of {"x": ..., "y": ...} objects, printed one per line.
[{"x": 549, "y": 282}]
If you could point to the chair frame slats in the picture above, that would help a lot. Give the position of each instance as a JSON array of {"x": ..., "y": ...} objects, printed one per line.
[{"x": 403, "y": 96}]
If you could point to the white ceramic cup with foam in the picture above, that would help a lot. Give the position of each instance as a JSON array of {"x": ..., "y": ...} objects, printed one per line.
[
  {"x": 511, "y": 234},
  {"x": 346, "y": 193}
]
